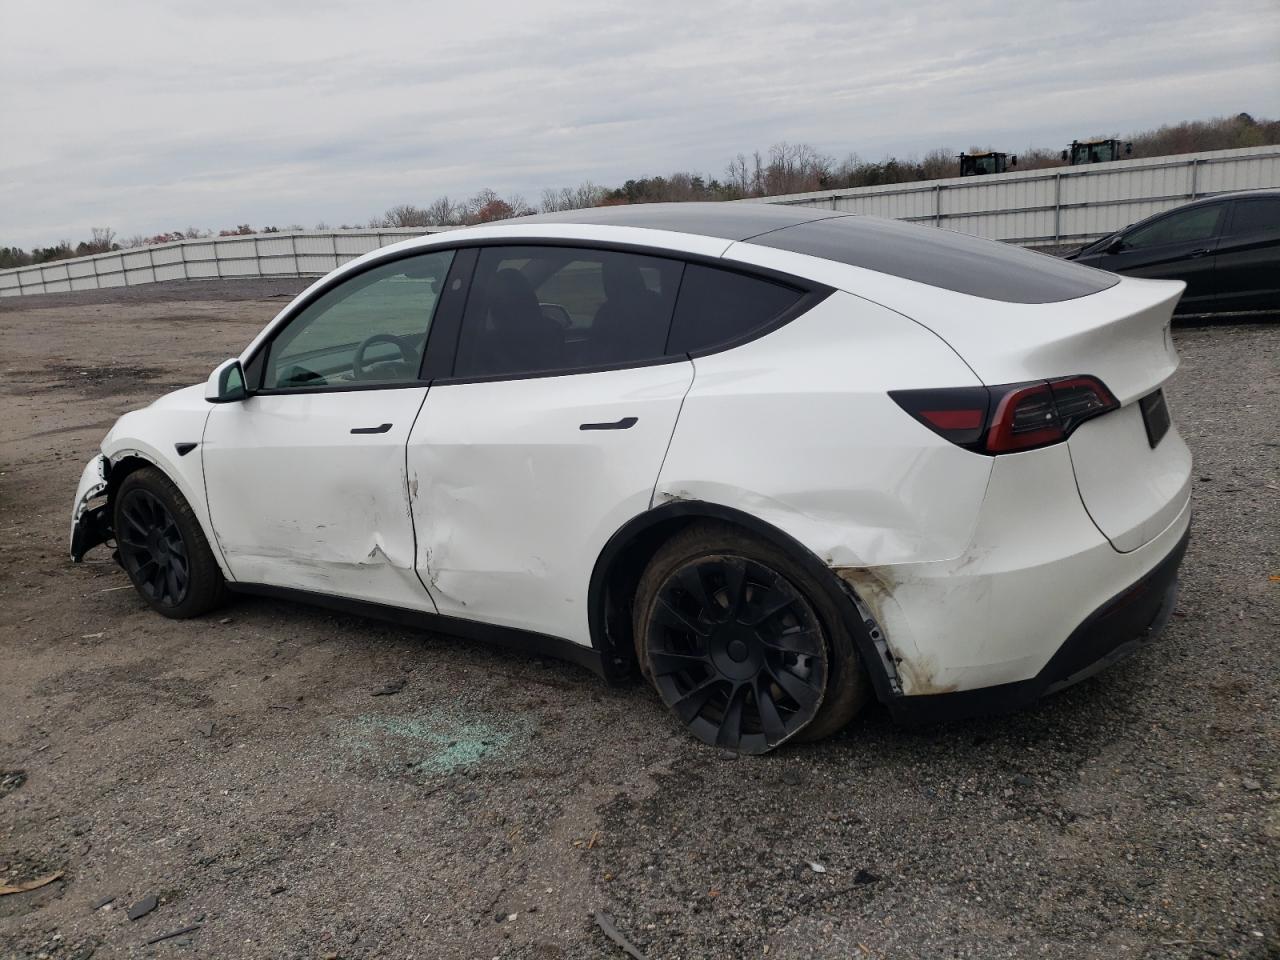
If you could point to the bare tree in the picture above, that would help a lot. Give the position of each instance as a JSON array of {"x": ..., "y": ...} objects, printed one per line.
[
  {"x": 102, "y": 239},
  {"x": 738, "y": 175},
  {"x": 443, "y": 212},
  {"x": 939, "y": 163},
  {"x": 407, "y": 215},
  {"x": 585, "y": 194},
  {"x": 519, "y": 206}
]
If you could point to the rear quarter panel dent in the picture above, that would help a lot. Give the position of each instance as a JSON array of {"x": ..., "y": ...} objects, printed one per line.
[{"x": 797, "y": 429}]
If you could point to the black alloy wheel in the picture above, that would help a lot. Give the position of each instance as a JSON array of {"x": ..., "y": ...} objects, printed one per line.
[
  {"x": 162, "y": 547},
  {"x": 737, "y": 652},
  {"x": 152, "y": 549}
]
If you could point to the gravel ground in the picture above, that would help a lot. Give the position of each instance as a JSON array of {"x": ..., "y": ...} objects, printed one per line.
[{"x": 242, "y": 770}]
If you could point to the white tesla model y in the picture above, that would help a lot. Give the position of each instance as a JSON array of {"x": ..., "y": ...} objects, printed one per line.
[{"x": 777, "y": 460}]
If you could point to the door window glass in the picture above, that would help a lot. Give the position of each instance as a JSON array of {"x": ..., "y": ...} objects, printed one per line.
[
  {"x": 719, "y": 306},
  {"x": 539, "y": 309},
  {"x": 1252, "y": 216},
  {"x": 370, "y": 329},
  {"x": 1186, "y": 226}
]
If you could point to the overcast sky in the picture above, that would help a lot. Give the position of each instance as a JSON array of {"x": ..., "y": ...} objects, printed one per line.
[{"x": 146, "y": 117}]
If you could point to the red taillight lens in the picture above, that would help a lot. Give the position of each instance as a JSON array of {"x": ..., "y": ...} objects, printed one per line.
[
  {"x": 1008, "y": 418},
  {"x": 1079, "y": 398},
  {"x": 1025, "y": 417}
]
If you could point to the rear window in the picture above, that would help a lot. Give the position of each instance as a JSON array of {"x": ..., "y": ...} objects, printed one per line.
[
  {"x": 717, "y": 307},
  {"x": 1251, "y": 216},
  {"x": 941, "y": 258}
]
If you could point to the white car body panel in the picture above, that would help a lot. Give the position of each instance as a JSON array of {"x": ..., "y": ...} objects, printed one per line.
[
  {"x": 1037, "y": 565},
  {"x": 1119, "y": 335},
  {"x": 300, "y": 501},
  {"x": 93, "y": 484},
  {"x": 151, "y": 434},
  {"x": 796, "y": 437},
  {"x": 514, "y": 501},
  {"x": 1132, "y": 492}
]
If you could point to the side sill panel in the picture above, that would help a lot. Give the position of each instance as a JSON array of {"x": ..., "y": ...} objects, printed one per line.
[{"x": 523, "y": 641}]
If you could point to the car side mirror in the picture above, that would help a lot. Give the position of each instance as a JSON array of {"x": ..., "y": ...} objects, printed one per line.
[
  {"x": 226, "y": 383},
  {"x": 1115, "y": 246}
]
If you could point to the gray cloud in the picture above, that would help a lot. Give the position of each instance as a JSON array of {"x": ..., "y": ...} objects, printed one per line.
[{"x": 150, "y": 117}]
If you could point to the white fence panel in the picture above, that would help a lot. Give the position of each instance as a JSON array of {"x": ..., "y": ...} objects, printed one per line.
[
  {"x": 314, "y": 244},
  {"x": 354, "y": 245},
  {"x": 318, "y": 264},
  {"x": 294, "y": 254}
]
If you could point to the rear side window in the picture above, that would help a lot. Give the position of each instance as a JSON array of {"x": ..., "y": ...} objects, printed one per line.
[
  {"x": 1199, "y": 223},
  {"x": 540, "y": 309},
  {"x": 718, "y": 306},
  {"x": 1254, "y": 216}
]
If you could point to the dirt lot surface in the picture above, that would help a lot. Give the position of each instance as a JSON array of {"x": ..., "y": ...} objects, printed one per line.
[{"x": 241, "y": 770}]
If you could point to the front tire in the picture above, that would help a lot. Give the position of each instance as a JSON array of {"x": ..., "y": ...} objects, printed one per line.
[
  {"x": 741, "y": 643},
  {"x": 162, "y": 547}
]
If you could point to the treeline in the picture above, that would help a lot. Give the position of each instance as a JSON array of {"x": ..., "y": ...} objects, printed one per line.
[
  {"x": 800, "y": 168},
  {"x": 784, "y": 168}
]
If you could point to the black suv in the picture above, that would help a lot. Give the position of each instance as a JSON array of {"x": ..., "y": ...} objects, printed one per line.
[{"x": 1227, "y": 249}]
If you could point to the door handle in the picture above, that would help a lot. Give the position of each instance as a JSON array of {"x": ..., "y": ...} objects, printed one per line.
[
  {"x": 623, "y": 424},
  {"x": 1199, "y": 253},
  {"x": 381, "y": 428}
]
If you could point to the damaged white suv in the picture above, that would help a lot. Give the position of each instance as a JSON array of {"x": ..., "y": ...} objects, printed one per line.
[{"x": 778, "y": 460}]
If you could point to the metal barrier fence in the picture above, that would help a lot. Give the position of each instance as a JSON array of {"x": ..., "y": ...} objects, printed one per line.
[
  {"x": 294, "y": 254},
  {"x": 1062, "y": 205},
  {"x": 1059, "y": 205}
]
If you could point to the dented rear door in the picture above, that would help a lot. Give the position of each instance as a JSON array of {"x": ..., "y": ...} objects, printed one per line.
[{"x": 518, "y": 484}]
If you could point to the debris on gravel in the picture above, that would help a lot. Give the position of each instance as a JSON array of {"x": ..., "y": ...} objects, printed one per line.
[{"x": 143, "y": 907}]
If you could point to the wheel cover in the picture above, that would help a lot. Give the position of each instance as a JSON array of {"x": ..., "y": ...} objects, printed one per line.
[
  {"x": 152, "y": 549},
  {"x": 737, "y": 653}
]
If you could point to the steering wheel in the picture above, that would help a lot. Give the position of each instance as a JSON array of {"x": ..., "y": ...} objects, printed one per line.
[{"x": 408, "y": 355}]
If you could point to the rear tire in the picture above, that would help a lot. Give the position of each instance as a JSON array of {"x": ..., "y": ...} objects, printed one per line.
[
  {"x": 742, "y": 644},
  {"x": 163, "y": 548}
]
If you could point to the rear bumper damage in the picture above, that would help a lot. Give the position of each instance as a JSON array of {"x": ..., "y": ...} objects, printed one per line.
[
  {"x": 90, "y": 521},
  {"x": 1123, "y": 625}
]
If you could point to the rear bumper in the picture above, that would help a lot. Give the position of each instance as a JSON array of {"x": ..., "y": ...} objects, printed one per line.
[{"x": 1124, "y": 624}]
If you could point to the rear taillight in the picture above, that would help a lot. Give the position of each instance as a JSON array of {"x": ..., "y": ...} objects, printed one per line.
[{"x": 1008, "y": 418}]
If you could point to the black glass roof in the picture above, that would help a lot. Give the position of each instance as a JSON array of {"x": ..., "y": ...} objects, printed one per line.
[{"x": 939, "y": 258}]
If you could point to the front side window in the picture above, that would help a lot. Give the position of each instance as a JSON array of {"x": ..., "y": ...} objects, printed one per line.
[
  {"x": 1186, "y": 226},
  {"x": 369, "y": 330},
  {"x": 539, "y": 309}
]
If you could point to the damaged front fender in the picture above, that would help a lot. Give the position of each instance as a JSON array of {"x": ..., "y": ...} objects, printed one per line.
[{"x": 90, "y": 522}]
